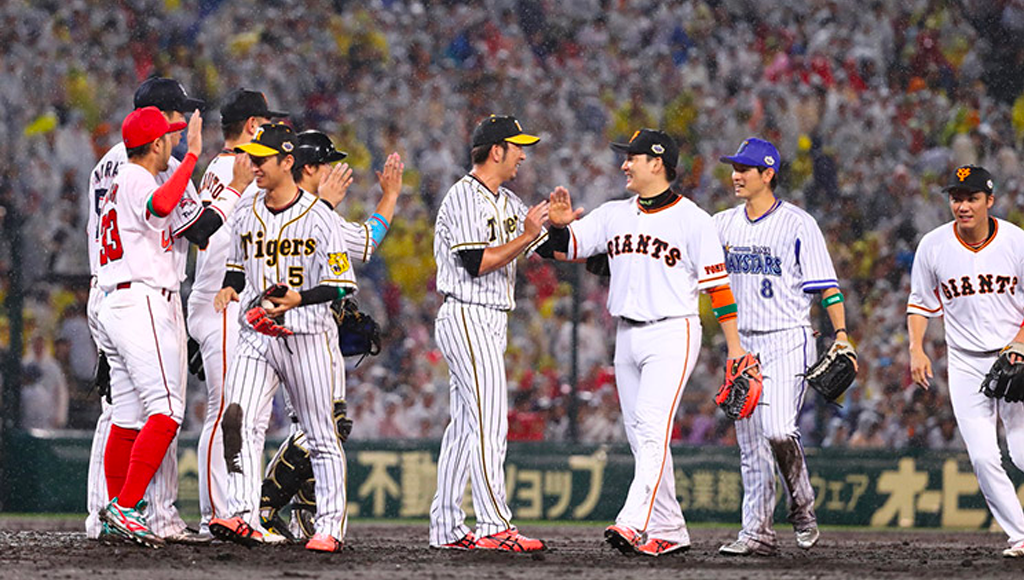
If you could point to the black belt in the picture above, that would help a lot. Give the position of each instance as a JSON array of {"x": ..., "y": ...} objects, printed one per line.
[
  {"x": 163, "y": 291},
  {"x": 632, "y": 322}
]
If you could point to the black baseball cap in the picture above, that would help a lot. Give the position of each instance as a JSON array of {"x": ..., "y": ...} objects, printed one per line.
[
  {"x": 498, "y": 128},
  {"x": 652, "y": 142},
  {"x": 316, "y": 148},
  {"x": 970, "y": 178},
  {"x": 167, "y": 95},
  {"x": 270, "y": 139},
  {"x": 240, "y": 104}
]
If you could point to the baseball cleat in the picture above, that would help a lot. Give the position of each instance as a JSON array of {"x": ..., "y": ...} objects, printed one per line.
[
  {"x": 130, "y": 523},
  {"x": 190, "y": 537},
  {"x": 237, "y": 530},
  {"x": 467, "y": 542},
  {"x": 656, "y": 547},
  {"x": 624, "y": 538},
  {"x": 1015, "y": 551},
  {"x": 807, "y": 538},
  {"x": 324, "y": 543},
  {"x": 510, "y": 540},
  {"x": 743, "y": 547}
]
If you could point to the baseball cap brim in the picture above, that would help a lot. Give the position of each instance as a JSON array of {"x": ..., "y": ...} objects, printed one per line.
[
  {"x": 964, "y": 188},
  {"x": 172, "y": 127},
  {"x": 256, "y": 150},
  {"x": 741, "y": 160},
  {"x": 335, "y": 156},
  {"x": 277, "y": 114},
  {"x": 190, "y": 104},
  {"x": 620, "y": 147},
  {"x": 523, "y": 139}
]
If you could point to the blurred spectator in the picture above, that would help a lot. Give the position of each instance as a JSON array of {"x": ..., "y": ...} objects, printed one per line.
[{"x": 44, "y": 392}]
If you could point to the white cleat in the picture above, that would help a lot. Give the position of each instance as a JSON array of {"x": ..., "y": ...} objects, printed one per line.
[
  {"x": 1015, "y": 551},
  {"x": 807, "y": 538}
]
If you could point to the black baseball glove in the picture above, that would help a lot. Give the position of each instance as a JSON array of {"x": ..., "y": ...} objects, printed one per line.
[
  {"x": 834, "y": 372},
  {"x": 1005, "y": 380},
  {"x": 102, "y": 378},
  {"x": 740, "y": 393},
  {"x": 195, "y": 359},
  {"x": 342, "y": 424},
  {"x": 358, "y": 332}
]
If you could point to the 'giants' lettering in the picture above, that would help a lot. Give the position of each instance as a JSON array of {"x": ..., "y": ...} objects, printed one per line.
[
  {"x": 956, "y": 288},
  {"x": 647, "y": 245}
]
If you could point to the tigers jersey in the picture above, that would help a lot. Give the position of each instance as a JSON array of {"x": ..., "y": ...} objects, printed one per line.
[
  {"x": 659, "y": 259},
  {"x": 135, "y": 245},
  {"x": 299, "y": 245},
  {"x": 776, "y": 264},
  {"x": 975, "y": 290},
  {"x": 473, "y": 217},
  {"x": 210, "y": 260},
  {"x": 100, "y": 181}
]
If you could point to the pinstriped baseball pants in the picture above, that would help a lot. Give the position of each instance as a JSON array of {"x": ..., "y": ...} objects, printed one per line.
[
  {"x": 653, "y": 362},
  {"x": 309, "y": 366},
  {"x": 785, "y": 355},
  {"x": 472, "y": 340}
]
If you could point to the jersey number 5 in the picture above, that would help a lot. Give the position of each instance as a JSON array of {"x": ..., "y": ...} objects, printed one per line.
[{"x": 110, "y": 240}]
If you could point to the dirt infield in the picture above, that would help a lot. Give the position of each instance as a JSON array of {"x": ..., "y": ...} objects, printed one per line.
[{"x": 42, "y": 548}]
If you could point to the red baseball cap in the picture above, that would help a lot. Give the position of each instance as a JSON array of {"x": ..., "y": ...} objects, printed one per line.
[{"x": 146, "y": 125}]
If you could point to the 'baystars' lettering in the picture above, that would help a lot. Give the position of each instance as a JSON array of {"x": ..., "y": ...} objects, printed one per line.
[
  {"x": 752, "y": 260},
  {"x": 644, "y": 244},
  {"x": 271, "y": 249}
]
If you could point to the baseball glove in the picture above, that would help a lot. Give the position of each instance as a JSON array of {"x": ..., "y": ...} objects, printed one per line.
[
  {"x": 195, "y": 359},
  {"x": 102, "y": 378},
  {"x": 834, "y": 372},
  {"x": 358, "y": 332},
  {"x": 1005, "y": 380},
  {"x": 740, "y": 393},
  {"x": 342, "y": 424},
  {"x": 256, "y": 314}
]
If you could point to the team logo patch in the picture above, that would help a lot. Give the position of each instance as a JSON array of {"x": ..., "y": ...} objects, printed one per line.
[
  {"x": 339, "y": 263},
  {"x": 989, "y": 184},
  {"x": 657, "y": 148},
  {"x": 287, "y": 146},
  {"x": 769, "y": 160},
  {"x": 635, "y": 133},
  {"x": 259, "y": 133},
  {"x": 963, "y": 173}
]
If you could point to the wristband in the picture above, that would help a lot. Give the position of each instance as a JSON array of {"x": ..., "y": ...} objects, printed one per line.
[
  {"x": 837, "y": 331},
  {"x": 833, "y": 299}
]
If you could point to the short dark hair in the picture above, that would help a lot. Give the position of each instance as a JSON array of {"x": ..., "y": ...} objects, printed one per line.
[
  {"x": 140, "y": 151},
  {"x": 297, "y": 169},
  {"x": 670, "y": 173},
  {"x": 478, "y": 155},
  {"x": 233, "y": 130}
]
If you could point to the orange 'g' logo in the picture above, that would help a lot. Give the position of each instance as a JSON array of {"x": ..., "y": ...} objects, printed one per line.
[
  {"x": 634, "y": 136},
  {"x": 962, "y": 173}
]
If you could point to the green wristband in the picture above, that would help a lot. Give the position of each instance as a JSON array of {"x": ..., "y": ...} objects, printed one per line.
[
  {"x": 725, "y": 310},
  {"x": 833, "y": 299}
]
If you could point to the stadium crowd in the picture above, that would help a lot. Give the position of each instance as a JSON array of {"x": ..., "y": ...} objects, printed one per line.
[{"x": 868, "y": 104}]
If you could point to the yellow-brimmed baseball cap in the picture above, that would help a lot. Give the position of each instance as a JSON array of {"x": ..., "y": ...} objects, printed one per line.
[
  {"x": 498, "y": 128},
  {"x": 270, "y": 139}
]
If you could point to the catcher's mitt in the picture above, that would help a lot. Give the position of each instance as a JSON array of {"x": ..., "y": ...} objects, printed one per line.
[
  {"x": 834, "y": 372},
  {"x": 342, "y": 424},
  {"x": 1005, "y": 380},
  {"x": 256, "y": 314},
  {"x": 358, "y": 332},
  {"x": 740, "y": 393}
]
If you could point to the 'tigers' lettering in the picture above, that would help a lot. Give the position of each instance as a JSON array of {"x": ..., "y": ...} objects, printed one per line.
[{"x": 272, "y": 249}]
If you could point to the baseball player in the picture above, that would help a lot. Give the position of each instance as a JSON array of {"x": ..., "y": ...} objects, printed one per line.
[
  {"x": 317, "y": 171},
  {"x": 242, "y": 113},
  {"x": 777, "y": 262},
  {"x": 141, "y": 325},
  {"x": 481, "y": 229},
  {"x": 284, "y": 236},
  {"x": 170, "y": 97},
  {"x": 969, "y": 273},
  {"x": 662, "y": 250}
]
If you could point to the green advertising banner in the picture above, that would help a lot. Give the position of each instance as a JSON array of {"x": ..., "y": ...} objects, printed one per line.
[{"x": 572, "y": 482}]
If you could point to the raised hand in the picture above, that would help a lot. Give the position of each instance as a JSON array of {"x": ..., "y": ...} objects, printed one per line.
[
  {"x": 391, "y": 177},
  {"x": 560, "y": 211},
  {"x": 242, "y": 172},
  {"x": 195, "y": 134},
  {"x": 535, "y": 219},
  {"x": 335, "y": 183}
]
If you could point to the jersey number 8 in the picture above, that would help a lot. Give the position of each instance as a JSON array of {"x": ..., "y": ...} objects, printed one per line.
[{"x": 766, "y": 288}]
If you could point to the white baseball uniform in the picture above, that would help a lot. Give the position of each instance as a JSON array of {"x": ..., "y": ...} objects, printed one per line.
[
  {"x": 161, "y": 514},
  {"x": 660, "y": 259},
  {"x": 217, "y": 335},
  {"x": 471, "y": 331},
  {"x": 978, "y": 293},
  {"x": 777, "y": 264},
  {"x": 299, "y": 246}
]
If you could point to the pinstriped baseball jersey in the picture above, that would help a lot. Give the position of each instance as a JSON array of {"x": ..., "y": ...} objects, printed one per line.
[
  {"x": 209, "y": 275},
  {"x": 100, "y": 181},
  {"x": 776, "y": 263},
  {"x": 659, "y": 259},
  {"x": 976, "y": 290},
  {"x": 135, "y": 245},
  {"x": 472, "y": 217},
  {"x": 299, "y": 245},
  {"x": 358, "y": 239}
]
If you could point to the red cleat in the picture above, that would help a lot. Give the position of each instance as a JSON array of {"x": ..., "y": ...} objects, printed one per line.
[
  {"x": 656, "y": 547},
  {"x": 624, "y": 538},
  {"x": 510, "y": 541},
  {"x": 468, "y": 542},
  {"x": 324, "y": 543}
]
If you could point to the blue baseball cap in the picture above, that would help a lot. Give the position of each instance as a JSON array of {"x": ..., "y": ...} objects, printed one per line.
[{"x": 755, "y": 153}]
